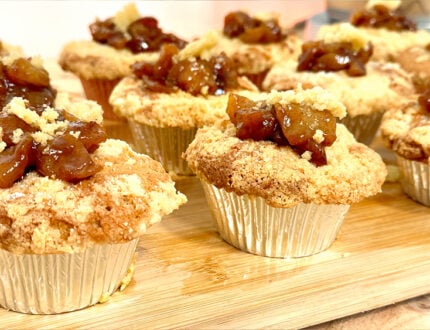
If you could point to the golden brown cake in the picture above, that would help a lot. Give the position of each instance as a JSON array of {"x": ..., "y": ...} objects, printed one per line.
[
  {"x": 72, "y": 203},
  {"x": 164, "y": 113},
  {"x": 274, "y": 184},
  {"x": 366, "y": 97},
  {"x": 117, "y": 42},
  {"x": 406, "y": 131}
]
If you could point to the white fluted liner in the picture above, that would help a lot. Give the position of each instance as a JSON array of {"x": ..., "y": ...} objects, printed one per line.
[
  {"x": 363, "y": 127},
  {"x": 164, "y": 144},
  {"x": 57, "y": 283},
  {"x": 251, "y": 225},
  {"x": 415, "y": 179}
]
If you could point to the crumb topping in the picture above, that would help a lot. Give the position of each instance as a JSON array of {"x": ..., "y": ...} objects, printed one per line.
[
  {"x": 131, "y": 100},
  {"x": 387, "y": 44},
  {"x": 407, "y": 132},
  {"x": 279, "y": 175},
  {"x": 44, "y": 215},
  {"x": 343, "y": 32},
  {"x": 384, "y": 86}
]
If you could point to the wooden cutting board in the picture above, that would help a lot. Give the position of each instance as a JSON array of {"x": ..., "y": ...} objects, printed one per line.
[{"x": 188, "y": 277}]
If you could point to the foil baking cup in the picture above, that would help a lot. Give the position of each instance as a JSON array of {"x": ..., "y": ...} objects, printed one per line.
[
  {"x": 251, "y": 225},
  {"x": 164, "y": 144},
  {"x": 415, "y": 179},
  {"x": 363, "y": 127},
  {"x": 99, "y": 90},
  {"x": 57, "y": 283}
]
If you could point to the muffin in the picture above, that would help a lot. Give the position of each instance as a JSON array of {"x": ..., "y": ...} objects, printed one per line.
[
  {"x": 73, "y": 204},
  {"x": 255, "y": 43},
  {"x": 280, "y": 176},
  {"x": 342, "y": 63},
  {"x": 416, "y": 61},
  {"x": 406, "y": 131},
  {"x": 117, "y": 42},
  {"x": 164, "y": 103},
  {"x": 386, "y": 28}
]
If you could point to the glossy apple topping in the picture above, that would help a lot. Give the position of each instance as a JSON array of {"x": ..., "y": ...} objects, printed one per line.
[
  {"x": 251, "y": 30},
  {"x": 67, "y": 155},
  {"x": 379, "y": 16},
  {"x": 424, "y": 100},
  {"x": 285, "y": 124},
  {"x": 321, "y": 56},
  {"x": 143, "y": 35},
  {"x": 195, "y": 76}
]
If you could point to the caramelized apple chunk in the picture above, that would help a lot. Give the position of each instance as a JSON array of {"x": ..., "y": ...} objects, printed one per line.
[
  {"x": 424, "y": 100},
  {"x": 65, "y": 158},
  {"x": 23, "y": 79},
  {"x": 319, "y": 56},
  {"x": 251, "y": 30},
  {"x": 195, "y": 76},
  {"x": 143, "y": 35},
  {"x": 379, "y": 16},
  {"x": 300, "y": 127}
]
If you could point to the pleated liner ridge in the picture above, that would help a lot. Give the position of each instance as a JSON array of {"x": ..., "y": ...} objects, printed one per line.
[
  {"x": 415, "y": 179},
  {"x": 164, "y": 144},
  {"x": 251, "y": 225},
  {"x": 57, "y": 283}
]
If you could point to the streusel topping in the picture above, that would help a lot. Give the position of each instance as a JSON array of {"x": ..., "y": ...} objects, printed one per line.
[{"x": 44, "y": 215}]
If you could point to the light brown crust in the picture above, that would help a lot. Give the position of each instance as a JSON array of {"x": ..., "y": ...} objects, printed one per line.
[
  {"x": 45, "y": 215},
  {"x": 282, "y": 177},
  {"x": 407, "y": 131},
  {"x": 384, "y": 86},
  {"x": 91, "y": 60},
  {"x": 256, "y": 58},
  {"x": 131, "y": 100}
]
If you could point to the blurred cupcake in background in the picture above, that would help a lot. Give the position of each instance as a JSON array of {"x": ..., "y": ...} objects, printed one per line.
[
  {"x": 387, "y": 27},
  {"x": 406, "y": 131},
  {"x": 117, "y": 42},
  {"x": 255, "y": 43},
  {"x": 416, "y": 61},
  {"x": 341, "y": 61},
  {"x": 164, "y": 103},
  {"x": 280, "y": 176}
]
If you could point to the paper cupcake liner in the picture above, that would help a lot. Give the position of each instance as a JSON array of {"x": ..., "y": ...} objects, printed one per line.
[
  {"x": 164, "y": 144},
  {"x": 57, "y": 283},
  {"x": 251, "y": 225},
  {"x": 363, "y": 127},
  {"x": 415, "y": 179},
  {"x": 99, "y": 90}
]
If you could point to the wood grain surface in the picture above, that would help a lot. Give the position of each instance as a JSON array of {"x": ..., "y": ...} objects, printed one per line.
[{"x": 188, "y": 277}]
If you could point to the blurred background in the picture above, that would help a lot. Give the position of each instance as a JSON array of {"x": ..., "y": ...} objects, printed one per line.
[{"x": 42, "y": 27}]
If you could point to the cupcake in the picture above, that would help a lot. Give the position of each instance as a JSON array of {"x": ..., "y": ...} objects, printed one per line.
[
  {"x": 386, "y": 28},
  {"x": 117, "y": 42},
  {"x": 280, "y": 176},
  {"x": 406, "y": 131},
  {"x": 342, "y": 63},
  {"x": 73, "y": 204},
  {"x": 255, "y": 43},
  {"x": 164, "y": 103}
]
